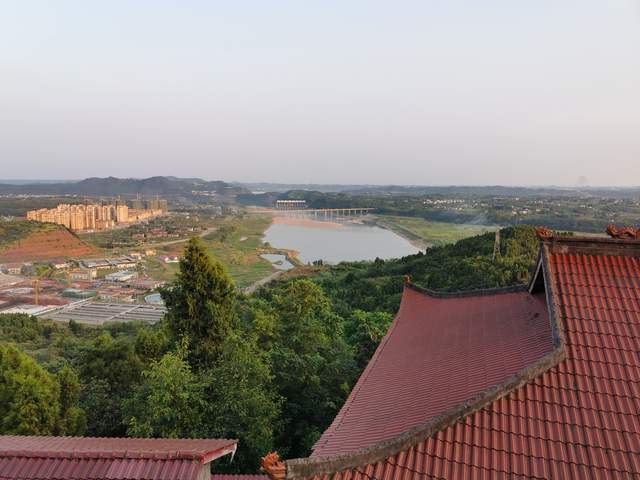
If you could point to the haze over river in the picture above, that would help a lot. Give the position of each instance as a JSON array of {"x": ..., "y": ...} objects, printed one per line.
[{"x": 334, "y": 242}]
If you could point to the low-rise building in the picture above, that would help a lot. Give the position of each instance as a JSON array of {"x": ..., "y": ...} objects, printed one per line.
[
  {"x": 110, "y": 263},
  {"x": 61, "y": 265},
  {"x": 145, "y": 284},
  {"x": 78, "y": 293},
  {"x": 116, "y": 296},
  {"x": 83, "y": 274},
  {"x": 123, "y": 276},
  {"x": 12, "y": 268}
]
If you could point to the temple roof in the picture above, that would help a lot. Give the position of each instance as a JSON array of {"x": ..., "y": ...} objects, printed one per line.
[
  {"x": 573, "y": 413},
  {"x": 439, "y": 353}
]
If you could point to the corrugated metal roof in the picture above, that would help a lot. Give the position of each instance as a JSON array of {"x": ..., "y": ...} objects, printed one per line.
[
  {"x": 579, "y": 419},
  {"x": 71, "y": 458},
  {"x": 438, "y": 353}
]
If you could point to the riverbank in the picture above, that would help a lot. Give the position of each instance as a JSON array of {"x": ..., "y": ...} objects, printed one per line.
[
  {"x": 424, "y": 234},
  {"x": 408, "y": 235},
  {"x": 306, "y": 222}
]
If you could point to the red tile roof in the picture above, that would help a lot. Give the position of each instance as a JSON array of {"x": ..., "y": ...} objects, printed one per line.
[
  {"x": 239, "y": 477},
  {"x": 438, "y": 353},
  {"x": 70, "y": 458},
  {"x": 577, "y": 419}
]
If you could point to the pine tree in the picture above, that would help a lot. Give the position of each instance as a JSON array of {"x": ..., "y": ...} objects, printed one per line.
[{"x": 201, "y": 304}]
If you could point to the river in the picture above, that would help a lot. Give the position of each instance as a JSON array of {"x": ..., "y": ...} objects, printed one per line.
[{"x": 334, "y": 242}]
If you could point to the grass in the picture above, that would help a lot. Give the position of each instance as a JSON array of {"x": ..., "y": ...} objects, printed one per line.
[
  {"x": 427, "y": 233},
  {"x": 237, "y": 243},
  {"x": 156, "y": 268}
]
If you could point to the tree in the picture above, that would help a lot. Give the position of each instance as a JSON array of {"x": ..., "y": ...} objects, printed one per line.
[
  {"x": 201, "y": 304},
  {"x": 313, "y": 365},
  {"x": 109, "y": 368},
  {"x": 242, "y": 402},
  {"x": 364, "y": 332},
  {"x": 29, "y": 396},
  {"x": 73, "y": 420},
  {"x": 104, "y": 409},
  {"x": 169, "y": 403},
  {"x": 150, "y": 344},
  {"x": 113, "y": 360}
]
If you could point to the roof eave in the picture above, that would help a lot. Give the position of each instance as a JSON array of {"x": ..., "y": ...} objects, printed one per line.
[
  {"x": 312, "y": 467},
  {"x": 215, "y": 454}
]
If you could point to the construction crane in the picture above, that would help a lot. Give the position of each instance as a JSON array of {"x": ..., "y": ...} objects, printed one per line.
[{"x": 36, "y": 284}]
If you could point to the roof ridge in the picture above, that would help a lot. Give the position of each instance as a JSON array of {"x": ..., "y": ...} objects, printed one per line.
[
  {"x": 480, "y": 292},
  {"x": 124, "y": 454}
]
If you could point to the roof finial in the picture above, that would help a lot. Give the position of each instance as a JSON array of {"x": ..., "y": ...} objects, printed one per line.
[
  {"x": 273, "y": 466},
  {"x": 544, "y": 233},
  {"x": 624, "y": 232},
  {"x": 407, "y": 279}
]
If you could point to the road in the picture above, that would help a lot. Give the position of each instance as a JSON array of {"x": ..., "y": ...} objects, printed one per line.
[
  {"x": 263, "y": 281},
  {"x": 181, "y": 240}
]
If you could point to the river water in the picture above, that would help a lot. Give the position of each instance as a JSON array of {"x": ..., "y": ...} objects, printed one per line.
[{"x": 337, "y": 242}]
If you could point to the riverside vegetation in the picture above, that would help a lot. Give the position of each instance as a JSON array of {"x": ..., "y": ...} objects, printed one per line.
[{"x": 271, "y": 369}]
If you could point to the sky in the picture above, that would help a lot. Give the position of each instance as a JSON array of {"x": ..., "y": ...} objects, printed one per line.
[{"x": 445, "y": 92}]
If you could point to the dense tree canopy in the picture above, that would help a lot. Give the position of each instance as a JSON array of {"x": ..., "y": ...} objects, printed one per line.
[
  {"x": 109, "y": 369},
  {"x": 313, "y": 365},
  {"x": 34, "y": 402},
  {"x": 29, "y": 396},
  {"x": 73, "y": 420},
  {"x": 242, "y": 402},
  {"x": 170, "y": 401}
]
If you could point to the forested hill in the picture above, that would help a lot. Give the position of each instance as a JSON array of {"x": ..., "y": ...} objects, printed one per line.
[
  {"x": 123, "y": 186},
  {"x": 465, "y": 265}
]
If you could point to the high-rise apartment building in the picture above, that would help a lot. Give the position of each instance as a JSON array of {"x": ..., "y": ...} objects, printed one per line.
[
  {"x": 91, "y": 217},
  {"x": 122, "y": 214}
]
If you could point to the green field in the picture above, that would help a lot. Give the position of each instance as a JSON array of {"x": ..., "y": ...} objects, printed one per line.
[
  {"x": 426, "y": 233},
  {"x": 237, "y": 243}
]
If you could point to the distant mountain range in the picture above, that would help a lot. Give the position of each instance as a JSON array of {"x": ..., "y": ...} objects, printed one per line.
[
  {"x": 122, "y": 186},
  {"x": 461, "y": 190},
  {"x": 168, "y": 185}
]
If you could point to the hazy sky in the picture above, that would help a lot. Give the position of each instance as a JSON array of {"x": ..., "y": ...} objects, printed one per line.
[{"x": 408, "y": 92}]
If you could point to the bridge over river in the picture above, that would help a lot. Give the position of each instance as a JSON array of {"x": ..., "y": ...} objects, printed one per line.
[{"x": 316, "y": 212}]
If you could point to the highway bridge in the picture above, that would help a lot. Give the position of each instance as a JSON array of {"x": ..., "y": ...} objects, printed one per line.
[{"x": 318, "y": 212}]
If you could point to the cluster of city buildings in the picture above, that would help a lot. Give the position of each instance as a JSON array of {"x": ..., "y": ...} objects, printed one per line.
[
  {"x": 98, "y": 217},
  {"x": 116, "y": 279}
]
